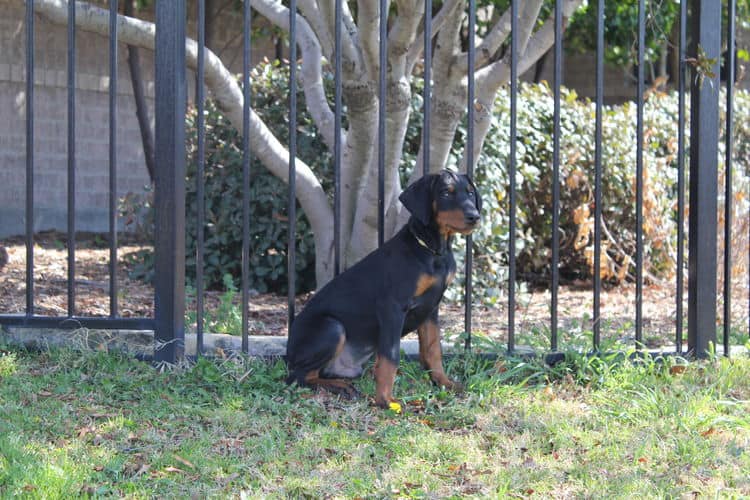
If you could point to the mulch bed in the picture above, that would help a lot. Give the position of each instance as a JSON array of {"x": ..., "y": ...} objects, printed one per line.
[{"x": 268, "y": 314}]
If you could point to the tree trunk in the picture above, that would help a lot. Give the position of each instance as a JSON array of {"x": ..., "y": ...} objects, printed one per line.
[{"x": 141, "y": 106}]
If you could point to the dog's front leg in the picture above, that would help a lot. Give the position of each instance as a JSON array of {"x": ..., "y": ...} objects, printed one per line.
[
  {"x": 391, "y": 321},
  {"x": 431, "y": 352}
]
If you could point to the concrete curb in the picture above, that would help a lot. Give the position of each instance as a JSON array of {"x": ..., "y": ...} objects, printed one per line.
[{"x": 141, "y": 342}]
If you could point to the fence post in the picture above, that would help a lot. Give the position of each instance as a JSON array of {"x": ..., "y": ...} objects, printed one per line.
[
  {"x": 704, "y": 131},
  {"x": 169, "y": 180}
]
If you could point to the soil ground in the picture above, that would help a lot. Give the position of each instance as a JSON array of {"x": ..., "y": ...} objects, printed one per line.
[{"x": 268, "y": 313}]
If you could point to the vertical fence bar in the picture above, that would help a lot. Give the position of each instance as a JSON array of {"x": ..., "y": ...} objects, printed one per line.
[
  {"x": 29, "y": 210},
  {"x": 337, "y": 14},
  {"x": 71, "y": 156},
  {"x": 113, "y": 61},
  {"x": 169, "y": 194},
  {"x": 682, "y": 78},
  {"x": 246, "y": 23},
  {"x": 383, "y": 7},
  {"x": 468, "y": 290},
  {"x": 200, "y": 104},
  {"x": 728, "y": 193},
  {"x": 639, "y": 177},
  {"x": 598, "y": 172},
  {"x": 704, "y": 120},
  {"x": 292, "y": 208},
  {"x": 555, "y": 275},
  {"x": 512, "y": 176},
  {"x": 427, "y": 86}
]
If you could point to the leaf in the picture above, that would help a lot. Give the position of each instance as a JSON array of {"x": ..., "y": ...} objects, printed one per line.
[
  {"x": 184, "y": 462},
  {"x": 710, "y": 431}
]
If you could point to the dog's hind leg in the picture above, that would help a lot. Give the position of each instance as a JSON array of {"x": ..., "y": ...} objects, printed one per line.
[{"x": 313, "y": 344}]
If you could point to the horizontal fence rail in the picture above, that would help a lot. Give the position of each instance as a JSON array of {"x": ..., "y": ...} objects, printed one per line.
[{"x": 168, "y": 320}]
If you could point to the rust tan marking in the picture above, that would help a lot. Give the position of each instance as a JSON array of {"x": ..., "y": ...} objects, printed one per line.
[
  {"x": 452, "y": 221},
  {"x": 335, "y": 385},
  {"x": 339, "y": 348},
  {"x": 385, "y": 377},
  {"x": 424, "y": 283},
  {"x": 431, "y": 355},
  {"x": 312, "y": 375}
]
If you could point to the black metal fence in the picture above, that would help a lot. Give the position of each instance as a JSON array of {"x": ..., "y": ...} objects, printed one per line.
[{"x": 705, "y": 32}]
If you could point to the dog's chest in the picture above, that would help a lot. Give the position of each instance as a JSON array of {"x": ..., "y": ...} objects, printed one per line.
[{"x": 429, "y": 289}]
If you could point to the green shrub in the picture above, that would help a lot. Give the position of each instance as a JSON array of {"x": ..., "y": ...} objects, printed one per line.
[
  {"x": 534, "y": 188},
  {"x": 268, "y": 198},
  {"x": 223, "y": 196},
  {"x": 268, "y": 195}
]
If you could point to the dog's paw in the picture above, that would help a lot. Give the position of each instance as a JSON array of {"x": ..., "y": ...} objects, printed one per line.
[{"x": 388, "y": 404}]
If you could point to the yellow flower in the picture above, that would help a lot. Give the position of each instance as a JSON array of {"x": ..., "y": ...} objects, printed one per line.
[{"x": 394, "y": 406}]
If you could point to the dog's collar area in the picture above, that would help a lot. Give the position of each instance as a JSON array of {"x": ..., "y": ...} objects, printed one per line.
[{"x": 424, "y": 244}]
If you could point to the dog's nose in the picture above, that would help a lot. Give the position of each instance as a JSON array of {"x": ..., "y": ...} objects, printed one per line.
[{"x": 471, "y": 218}]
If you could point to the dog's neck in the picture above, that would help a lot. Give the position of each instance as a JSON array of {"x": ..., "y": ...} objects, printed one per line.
[{"x": 429, "y": 237}]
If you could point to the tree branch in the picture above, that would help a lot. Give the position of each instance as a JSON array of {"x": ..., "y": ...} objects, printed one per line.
[
  {"x": 402, "y": 36},
  {"x": 350, "y": 57},
  {"x": 228, "y": 96},
  {"x": 497, "y": 73},
  {"x": 490, "y": 78},
  {"x": 314, "y": 16},
  {"x": 493, "y": 40},
  {"x": 312, "y": 75},
  {"x": 415, "y": 51},
  {"x": 368, "y": 22}
]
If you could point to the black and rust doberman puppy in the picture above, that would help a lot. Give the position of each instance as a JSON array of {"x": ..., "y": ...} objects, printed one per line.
[{"x": 391, "y": 292}]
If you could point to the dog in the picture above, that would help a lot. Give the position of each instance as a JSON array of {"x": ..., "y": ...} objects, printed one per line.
[{"x": 394, "y": 290}]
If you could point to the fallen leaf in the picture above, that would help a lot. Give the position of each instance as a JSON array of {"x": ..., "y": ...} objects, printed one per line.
[
  {"x": 677, "y": 369},
  {"x": 169, "y": 468},
  {"x": 184, "y": 462}
]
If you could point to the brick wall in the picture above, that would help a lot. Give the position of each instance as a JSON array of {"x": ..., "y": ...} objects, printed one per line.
[
  {"x": 92, "y": 120},
  {"x": 50, "y": 127}
]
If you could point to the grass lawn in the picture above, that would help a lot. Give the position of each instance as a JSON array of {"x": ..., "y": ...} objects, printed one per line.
[{"x": 97, "y": 424}]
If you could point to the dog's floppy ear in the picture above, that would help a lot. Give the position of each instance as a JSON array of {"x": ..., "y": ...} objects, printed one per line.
[
  {"x": 477, "y": 196},
  {"x": 417, "y": 198}
]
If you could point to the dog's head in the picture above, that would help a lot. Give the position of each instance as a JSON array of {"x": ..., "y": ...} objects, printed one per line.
[{"x": 448, "y": 200}]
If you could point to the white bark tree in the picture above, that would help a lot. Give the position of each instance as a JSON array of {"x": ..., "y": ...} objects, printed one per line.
[{"x": 360, "y": 62}]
